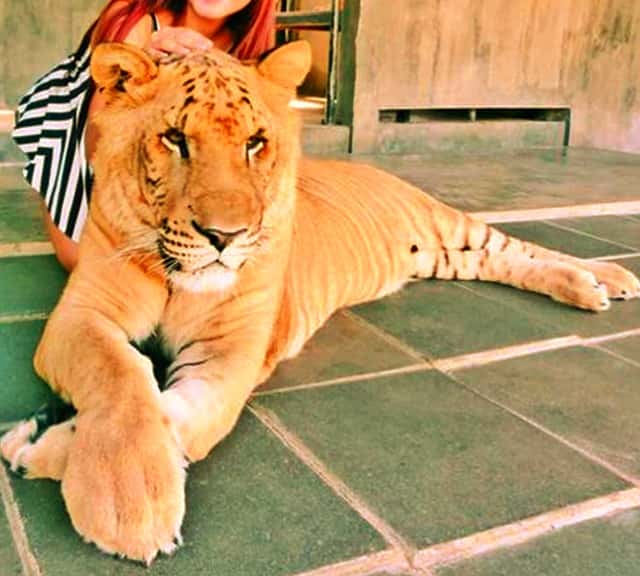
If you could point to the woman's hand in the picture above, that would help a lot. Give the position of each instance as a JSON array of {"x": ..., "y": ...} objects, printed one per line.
[{"x": 177, "y": 40}]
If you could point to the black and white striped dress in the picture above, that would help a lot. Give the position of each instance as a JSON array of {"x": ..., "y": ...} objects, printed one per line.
[
  {"x": 51, "y": 121},
  {"x": 50, "y": 128}
]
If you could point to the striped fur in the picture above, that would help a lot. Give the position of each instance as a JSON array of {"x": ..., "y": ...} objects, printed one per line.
[{"x": 367, "y": 233}]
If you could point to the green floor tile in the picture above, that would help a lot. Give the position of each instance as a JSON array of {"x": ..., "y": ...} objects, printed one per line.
[
  {"x": 252, "y": 509},
  {"x": 632, "y": 264},
  {"x": 20, "y": 218},
  {"x": 30, "y": 284},
  {"x": 9, "y": 559},
  {"x": 519, "y": 179},
  {"x": 604, "y": 547},
  {"x": 583, "y": 394},
  {"x": 11, "y": 177},
  {"x": 567, "y": 241},
  {"x": 343, "y": 347},
  {"x": 618, "y": 229},
  {"x": 441, "y": 319},
  {"x": 627, "y": 347},
  {"x": 21, "y": 391},
  {"x": 563, "y": 319},
  {"x": 434, "y": 460}
]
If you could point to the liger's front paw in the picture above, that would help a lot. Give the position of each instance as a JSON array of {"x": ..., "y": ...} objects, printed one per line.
[{"x": 124, "y": 484}]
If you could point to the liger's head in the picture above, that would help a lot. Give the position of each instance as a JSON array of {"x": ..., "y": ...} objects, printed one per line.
[{"x": 196, "y": 157}]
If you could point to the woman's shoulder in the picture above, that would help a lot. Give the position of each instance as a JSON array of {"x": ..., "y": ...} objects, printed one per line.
[
  {"x": 140, "y": 34},
  {"x": 165, "y": 17}
]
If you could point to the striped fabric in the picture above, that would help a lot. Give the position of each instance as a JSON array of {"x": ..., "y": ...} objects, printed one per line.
[{"x": 50, "y": 130}]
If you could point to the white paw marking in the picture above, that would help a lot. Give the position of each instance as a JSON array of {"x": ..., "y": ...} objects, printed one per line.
[{"x": 16, "y": 442}]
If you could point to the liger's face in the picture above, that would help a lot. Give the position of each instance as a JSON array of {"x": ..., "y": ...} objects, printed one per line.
[
  {"x": 210, "y": 146},
  {"x": 208, "y": 152}
]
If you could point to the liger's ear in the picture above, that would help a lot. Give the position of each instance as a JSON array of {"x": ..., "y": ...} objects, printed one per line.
[
  {"x": 287, "y": 65},
  {"x": 122, "y": 68}
]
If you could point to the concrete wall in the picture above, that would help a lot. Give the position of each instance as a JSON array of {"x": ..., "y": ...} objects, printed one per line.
[
  {"x": 584, "y": 54},
  {"x": 316, "y": 81},
  {"x": 35, "y": 35}
]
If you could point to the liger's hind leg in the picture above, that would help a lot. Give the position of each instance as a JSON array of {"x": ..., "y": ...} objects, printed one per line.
[
  {"x": 38, "y": 447},
  {"x": 472, "y": 250}
]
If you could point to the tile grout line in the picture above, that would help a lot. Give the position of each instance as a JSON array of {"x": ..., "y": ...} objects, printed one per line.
[
  {"x": 624, "y": 256},
  {"x": 597, "y": 342},
  {"x": 616, "y": 355},
  {"x": 27, "y": 559},
  {"x": 526, "y": 530},
  {"x": 464, "y": 361},
  {"x": 612, "y": 337},
  {"x": 388, "y": 338},
  {"x": 565, "y": 228},
  {"x": 17, "y": 249},
  {"x": 27, "y": 317},
  {"x": 409, "y": 369},
  {"x": 594, "y": 458},
  {"x": 493, "y": 355},
  {"x": 559, "y": 212},
  {"x": 362, "y": 565},
  {"x": 273, "y": 423},
  {"x": 446, "y": 365}
]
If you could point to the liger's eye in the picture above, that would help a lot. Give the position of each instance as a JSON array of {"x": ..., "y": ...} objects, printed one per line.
[
  {"x": 176, "y": 141},
  {"x": 255, "y": 144}
]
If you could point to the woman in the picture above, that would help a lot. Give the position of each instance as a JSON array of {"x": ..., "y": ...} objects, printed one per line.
[{"x": 53, "y": 126}]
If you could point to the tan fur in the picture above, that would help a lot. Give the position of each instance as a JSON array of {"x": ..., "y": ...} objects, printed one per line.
[{"x": 235, "y": 252}]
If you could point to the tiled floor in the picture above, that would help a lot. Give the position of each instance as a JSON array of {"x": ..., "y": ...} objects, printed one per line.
[{"x": 453, "y": 428}]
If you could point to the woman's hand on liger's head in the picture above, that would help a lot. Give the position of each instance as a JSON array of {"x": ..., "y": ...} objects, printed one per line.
[{"x": 177, "y": 40}]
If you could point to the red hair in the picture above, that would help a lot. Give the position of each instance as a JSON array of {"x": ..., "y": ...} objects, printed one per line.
[{"x": 253, "y": 26}]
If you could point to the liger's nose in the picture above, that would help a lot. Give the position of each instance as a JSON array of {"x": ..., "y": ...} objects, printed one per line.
[{"x": 218, "y": 238}]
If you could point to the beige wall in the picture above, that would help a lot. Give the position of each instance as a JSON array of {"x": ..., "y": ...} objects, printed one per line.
[
  {"x": 35, "y": 35},
  {"x": 584, "y": 54},
  {"x": 316, "y": 81}
]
